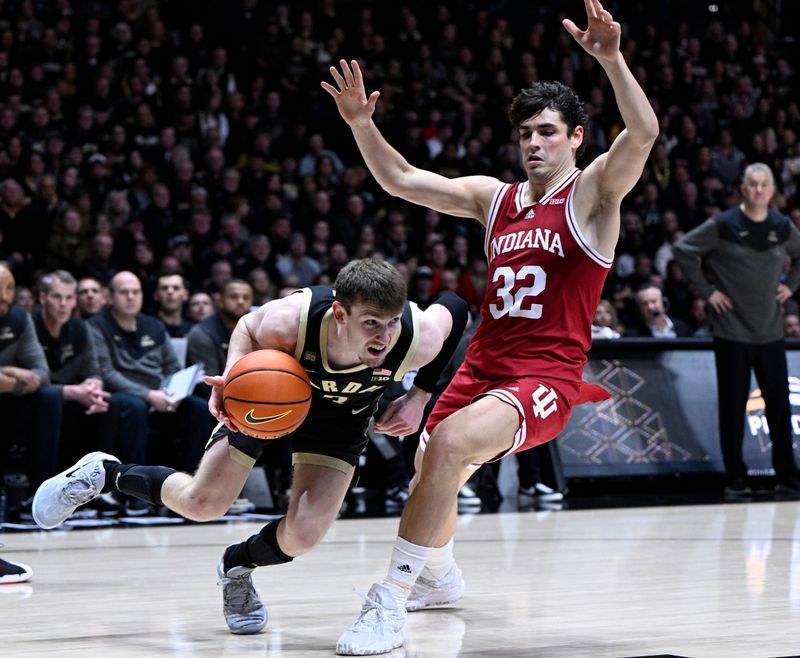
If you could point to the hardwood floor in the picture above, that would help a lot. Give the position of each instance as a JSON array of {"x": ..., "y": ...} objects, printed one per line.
[{"x": 703, "y": 581}]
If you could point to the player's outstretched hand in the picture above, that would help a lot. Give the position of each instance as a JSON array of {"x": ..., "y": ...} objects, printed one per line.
[
  {"x": 350, "y": 95},
  {"x": 601, "y": 38},
  {"x": 215, "y": 401}
]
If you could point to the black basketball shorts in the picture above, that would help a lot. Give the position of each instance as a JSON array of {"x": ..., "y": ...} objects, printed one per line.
[{"x": 333, "y": 442}]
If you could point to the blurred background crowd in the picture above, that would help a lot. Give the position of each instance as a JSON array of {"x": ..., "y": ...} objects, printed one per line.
[{"x": 193, "y": 139}]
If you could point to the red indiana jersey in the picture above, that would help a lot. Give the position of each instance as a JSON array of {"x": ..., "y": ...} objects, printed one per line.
[{"x": 544, "y": 285}]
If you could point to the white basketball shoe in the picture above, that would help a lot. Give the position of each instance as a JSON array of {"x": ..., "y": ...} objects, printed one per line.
[
  {"x": 379, "y": 627},
  {"x": 429, "y": 592}
]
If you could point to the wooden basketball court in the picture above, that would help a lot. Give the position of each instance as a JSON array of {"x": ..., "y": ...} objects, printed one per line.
[{"x": 703, "y": 581}]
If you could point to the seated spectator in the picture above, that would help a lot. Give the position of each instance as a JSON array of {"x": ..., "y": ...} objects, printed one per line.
[
  {"x": 74, "y": 370},
  {"x": 263, "y": 287},
  {"x": 208, "y": 340},
  {"x": 24, "y": 298},
  {"x": 316, "y": 151},
  {"x": 791, "y": 325},
  {"x": 31, "y": 410},
  {"x": 171, "y": 296},
  {"x": 605, "y": 323},
  {"x": 297, "y": 263},
  {"x": 653, "y": 319},
  {"x": 100, "y": 264},
  {"x": 92, "y": 297},
  {"x": 700, "y": 323},
  {"x": 200, "y": 306},
  {"x": 135, "y": 356}
]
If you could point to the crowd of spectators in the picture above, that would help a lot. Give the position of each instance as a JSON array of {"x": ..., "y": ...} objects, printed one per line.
[
  {"x": 193, "y": 139},
  {"x": 163, "y": 137}
]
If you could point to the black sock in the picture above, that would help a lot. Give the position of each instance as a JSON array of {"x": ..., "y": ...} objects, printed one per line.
[
  {"x": 142, "y": 482},
  {"x": 113, "y": 469},
  {"x": 260, "y": 550}
]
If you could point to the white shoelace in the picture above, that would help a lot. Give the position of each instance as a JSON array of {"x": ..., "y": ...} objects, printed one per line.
[
  {"x": 80, "y": 489},
  {"x": 239, "y": 593}
]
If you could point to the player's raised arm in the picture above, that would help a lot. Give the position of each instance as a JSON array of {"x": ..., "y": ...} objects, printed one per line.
[
  {"x": 468, "y": 196},
  {"x": 615, "y": 173}
]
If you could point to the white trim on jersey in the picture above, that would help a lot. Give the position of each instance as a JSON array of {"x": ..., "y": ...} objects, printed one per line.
[
  {"x": 412, "y": 347},
  {"x": 519, "y": 437},
  {"x": 522, "y": 190},
  {"x": 583, "y": 243},
  {"x": 568, "y": 178},
  {"x": 301, "y": 329},
  {"x": 519, "y": 198},
  {"x": 508, "y": 398},
  {"x": 497, "y": 199}
]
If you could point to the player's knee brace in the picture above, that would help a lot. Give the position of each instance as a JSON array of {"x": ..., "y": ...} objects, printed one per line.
[{"x": 142, "y": 482}]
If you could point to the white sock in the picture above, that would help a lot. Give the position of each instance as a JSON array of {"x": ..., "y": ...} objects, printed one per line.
[
  {"x": 440, "y": 561},
  {"x": 407, "y": 563}
]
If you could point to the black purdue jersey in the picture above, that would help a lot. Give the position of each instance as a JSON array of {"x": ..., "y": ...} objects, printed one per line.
[{"x": 353, "y": 392}]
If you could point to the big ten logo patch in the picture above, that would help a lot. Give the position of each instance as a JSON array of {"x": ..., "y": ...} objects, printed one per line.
[{"x": 545, "y": 401}]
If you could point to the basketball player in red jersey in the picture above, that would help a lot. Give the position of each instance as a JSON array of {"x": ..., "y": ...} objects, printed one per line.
[{"x": 549, "y": 244}]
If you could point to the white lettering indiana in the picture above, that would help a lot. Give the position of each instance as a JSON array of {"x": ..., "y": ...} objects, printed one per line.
[{"x": 537, "y": 238}]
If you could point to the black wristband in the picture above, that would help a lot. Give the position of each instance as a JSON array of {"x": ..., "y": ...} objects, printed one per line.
[{"x": 429, "y": 374}]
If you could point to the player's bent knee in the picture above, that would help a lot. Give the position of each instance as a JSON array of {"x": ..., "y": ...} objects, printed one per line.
[
  {"x": 201, "y": 507},
  {"x": 303, "y": 536},
  {"x": 446, "y": 450}
]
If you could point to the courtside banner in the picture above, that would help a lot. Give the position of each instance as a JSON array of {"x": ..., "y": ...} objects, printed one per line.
[{"x": 662, "y": 418}]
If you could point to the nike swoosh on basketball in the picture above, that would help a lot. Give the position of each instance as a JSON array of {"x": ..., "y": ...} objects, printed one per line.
[
  {"x": 253, "y": 420},
  {"x": 358, "y": 411}
]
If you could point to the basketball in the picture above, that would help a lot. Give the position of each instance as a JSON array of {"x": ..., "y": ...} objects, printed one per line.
[{"x": 267, "y": 394}]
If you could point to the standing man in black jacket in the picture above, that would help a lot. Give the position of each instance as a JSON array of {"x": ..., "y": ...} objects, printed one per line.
[{"x": 745, "y": 248}]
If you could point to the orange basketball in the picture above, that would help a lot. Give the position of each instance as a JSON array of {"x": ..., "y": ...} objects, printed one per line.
[{"x": 267, "y": 394}]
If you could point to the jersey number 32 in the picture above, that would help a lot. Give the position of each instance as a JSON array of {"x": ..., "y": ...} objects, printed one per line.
[{"x": 511, "y": 301}]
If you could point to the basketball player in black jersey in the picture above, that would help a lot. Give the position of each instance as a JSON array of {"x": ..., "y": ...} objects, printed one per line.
[{"x": 354, "y": 339}]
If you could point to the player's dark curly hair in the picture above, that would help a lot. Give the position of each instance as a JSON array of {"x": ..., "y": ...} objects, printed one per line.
[
  {"x": 372, "y": 282},
  {"x": 549, "y": 96}
]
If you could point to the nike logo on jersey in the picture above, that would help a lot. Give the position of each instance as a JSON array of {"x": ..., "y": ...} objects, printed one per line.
[
  {"x": 358, "y": 411},
  {"x": 253, "y": 420}
]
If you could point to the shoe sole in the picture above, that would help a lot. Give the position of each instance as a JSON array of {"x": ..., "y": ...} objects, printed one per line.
[
  {"x": 398, "y": 642},
  {"x": 417, "y": 608},
  {"x": 453, "y": 596},
  {"x": 39, "y": 492}
]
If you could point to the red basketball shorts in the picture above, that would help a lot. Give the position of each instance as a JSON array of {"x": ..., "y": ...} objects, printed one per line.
[{"x": 543, "y": 409}]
